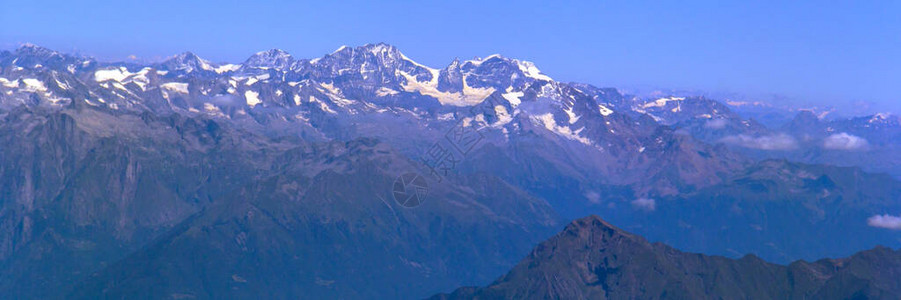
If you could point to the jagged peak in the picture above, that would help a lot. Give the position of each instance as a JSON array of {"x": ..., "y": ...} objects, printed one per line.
[
  {"x": 379, "y": 48},
  {"x": 390, "y": 54},
  {"x": 340, "y": 49},
  {"x": 479, "y": 60},
  {"x": 272, "y": 58},
  {"x": 32, "y": 49},
  {"x": 592, "y": 227},
  {"x": 274, "y": 52},
  {"x": 30, "y": 46},
  {"x": 385, "y": 54},
  {"x": 594, "y": 222},
  {"x": 189, "y": 61},
  {"x": 382, "y": 51},
  {"x": 185, "y": 57},
  {"x": 528, "y": 68}
]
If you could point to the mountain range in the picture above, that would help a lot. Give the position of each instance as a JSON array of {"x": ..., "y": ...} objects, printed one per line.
[{"x": 274, "y": 176}]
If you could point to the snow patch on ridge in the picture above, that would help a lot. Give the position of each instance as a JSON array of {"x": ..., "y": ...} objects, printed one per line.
[
  {"x": 468, "y": 97},
  {"x": 604, "y": 110},
  {"x": 513, "y": 97},
  {"x": 9, "y": 84},
  {"x": 112, "y": 74},
  {"x": 662, "y": 102},
  {"x": 383, "y": 91},
  {"x": 227, "y": 68},
  {"x": 503, "y": 117},
  {"x": 547, "y": 120},
  {"x": 529, "y": 69},
  {"x": 252, "y": 98},
  {"x": 179, "y": 87},
  {"x": 123, "y": 76},
  {"x": 322, "y": 105},
  {"x": 573, "y": 118},
  {"x": 34, "y": 85}
]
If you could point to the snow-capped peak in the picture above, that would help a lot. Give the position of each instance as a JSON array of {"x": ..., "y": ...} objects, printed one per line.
[
  {"x": 530, "y": 70},
  {"x": 227, "y": 68},
  {"x": 274, "y": 58},
  {"x": 478, "y": 60},
  {"x": 342, "y": 48},
  {"x": 382, "y": 51},
  {"x": 380, "y": 48},
  {"x": 371, "y": 58},
  {"x": 527, "y": 68},
  {"x": 188, "y": 62}
]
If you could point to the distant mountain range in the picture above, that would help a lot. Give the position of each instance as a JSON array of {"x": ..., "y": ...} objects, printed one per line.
[
  {"x": 274, "y": 176},
  {"x": 592, "y": 259}
]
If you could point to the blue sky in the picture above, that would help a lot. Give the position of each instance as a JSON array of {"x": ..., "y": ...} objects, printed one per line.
[{"x": 840, "y": 53}]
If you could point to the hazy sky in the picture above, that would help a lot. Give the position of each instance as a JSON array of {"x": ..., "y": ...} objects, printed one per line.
[{"x": 831, "y": 53}]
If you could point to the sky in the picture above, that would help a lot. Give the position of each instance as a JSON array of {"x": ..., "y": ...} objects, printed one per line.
[{"x": 841, "y": 53}]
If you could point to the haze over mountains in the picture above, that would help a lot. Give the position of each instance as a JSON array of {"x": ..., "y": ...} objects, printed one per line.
[{"x": 273, "y": 177}]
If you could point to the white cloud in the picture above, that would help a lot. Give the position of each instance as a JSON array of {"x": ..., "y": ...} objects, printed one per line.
[
  {"x": 644, "y": 204},
  {"x": 885, "y": 221},
  {"x": 593, "y": 197},
  {"x": 845, "y": 141},
  {"x": 716, "y": 124},
  {"x": 779, "y": 141}
]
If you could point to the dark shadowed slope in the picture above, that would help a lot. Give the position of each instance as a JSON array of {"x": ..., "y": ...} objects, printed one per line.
[
  {"x": 326, "y": 227},
  {"x": 592, "y": 259}
]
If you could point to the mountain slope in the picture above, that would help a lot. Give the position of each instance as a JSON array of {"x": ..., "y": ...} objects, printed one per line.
[
  {"x": 327, "y": 227},
  {"x": 592, "y": 259},
  {"x": 83, "y": 189}
]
